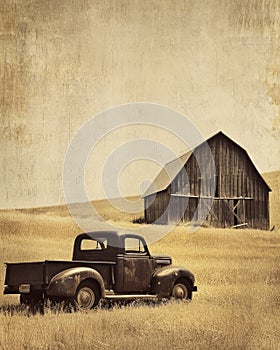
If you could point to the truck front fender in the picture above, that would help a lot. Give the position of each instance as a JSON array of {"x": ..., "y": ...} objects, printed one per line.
[
  {"x": 65, "y": 283},
  {"x": 164, "y": 279}
]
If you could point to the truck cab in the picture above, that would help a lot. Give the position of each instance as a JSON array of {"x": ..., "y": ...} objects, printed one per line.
[{"x": 133, "y": 264}]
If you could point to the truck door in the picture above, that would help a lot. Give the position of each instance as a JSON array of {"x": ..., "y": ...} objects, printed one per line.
[{"x": 137, "y": 266}]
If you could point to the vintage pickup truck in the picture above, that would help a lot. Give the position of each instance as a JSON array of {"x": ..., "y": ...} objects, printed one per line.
[{"x": 105, "y": 264}]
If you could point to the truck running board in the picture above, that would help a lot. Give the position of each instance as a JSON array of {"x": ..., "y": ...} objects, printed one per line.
[{"x": 130, "y": 296}]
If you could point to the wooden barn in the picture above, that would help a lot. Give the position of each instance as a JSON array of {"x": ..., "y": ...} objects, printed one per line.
[{"x": 216, "y": 182}]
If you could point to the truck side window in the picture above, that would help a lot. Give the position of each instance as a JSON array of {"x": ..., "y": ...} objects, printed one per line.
[
  {"x": 94, "y": 244},
  {"x": 134, "y": 245}
]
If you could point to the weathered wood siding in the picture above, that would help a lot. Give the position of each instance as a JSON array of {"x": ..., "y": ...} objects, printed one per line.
[
  {"x": 156, "y": 207},
  {"x": 240, "y": 195}
]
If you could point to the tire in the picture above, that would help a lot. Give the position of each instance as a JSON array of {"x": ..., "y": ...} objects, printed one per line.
[
  {"x": 34, "y": 302},
  {"x": 31, "y": 298},
  {"x": 182, "y": 289},
  {"x": 87, "y": 296},
  {"x": 25, "y": 299}
]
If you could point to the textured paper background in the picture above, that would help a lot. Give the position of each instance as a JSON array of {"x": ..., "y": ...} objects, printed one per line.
[{"x": 63, "y": 61}]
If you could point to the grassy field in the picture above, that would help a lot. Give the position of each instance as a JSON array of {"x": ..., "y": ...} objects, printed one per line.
[{"x": 237, "y": 305}]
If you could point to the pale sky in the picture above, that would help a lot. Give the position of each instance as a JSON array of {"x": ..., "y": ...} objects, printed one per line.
[{"x": 217, "y": 62}]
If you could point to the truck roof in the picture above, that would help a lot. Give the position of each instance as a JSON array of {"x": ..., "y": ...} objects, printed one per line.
[
  {"x": 114, "y": 239},
  {"x": 105, "y": 233}
]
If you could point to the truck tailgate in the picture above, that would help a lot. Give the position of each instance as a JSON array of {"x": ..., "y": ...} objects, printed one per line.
[{"x": 25, "y": 273}]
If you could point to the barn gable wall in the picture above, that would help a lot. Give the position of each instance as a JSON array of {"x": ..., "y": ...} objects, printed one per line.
[{"x": 239, "y": 196}]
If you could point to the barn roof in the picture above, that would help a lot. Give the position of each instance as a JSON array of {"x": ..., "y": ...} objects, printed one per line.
[
  {"x": 171, "y": 169},
  {"x": 167, "y": 174}
]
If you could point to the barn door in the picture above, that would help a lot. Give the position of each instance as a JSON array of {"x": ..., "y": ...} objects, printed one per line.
[{"x": 235, "y": 212}]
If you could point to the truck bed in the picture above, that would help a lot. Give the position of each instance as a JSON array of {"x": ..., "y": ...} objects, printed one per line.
[{"x": 38, "y": 274}]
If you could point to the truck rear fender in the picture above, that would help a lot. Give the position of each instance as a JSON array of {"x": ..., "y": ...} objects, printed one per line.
[
  {"x": 65, "y": 283},
  {"x": 164, "y": 279}
]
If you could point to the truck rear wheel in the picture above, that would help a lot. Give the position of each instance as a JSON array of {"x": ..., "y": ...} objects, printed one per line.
[
  {"x": 32, "y": 298},
  {"x": 87, "y": 296},
  {"x": 34, "y": 301}
]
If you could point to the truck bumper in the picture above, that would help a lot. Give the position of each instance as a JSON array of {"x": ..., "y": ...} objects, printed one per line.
[
  {"x": 23, "y": 289},
  {"x": 10, "y": 290}
]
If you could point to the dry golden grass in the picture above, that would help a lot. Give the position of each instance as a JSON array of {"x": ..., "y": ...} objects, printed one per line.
[
  {"x": 237, "y": 305},
  {"x": 107, "y": 209},
  {"x": 273, "y": 180}
]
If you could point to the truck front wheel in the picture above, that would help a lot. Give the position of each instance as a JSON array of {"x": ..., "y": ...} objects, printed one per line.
[
  {"x": 182, "y": 289},
  {"x": 87, "y": 295}
]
